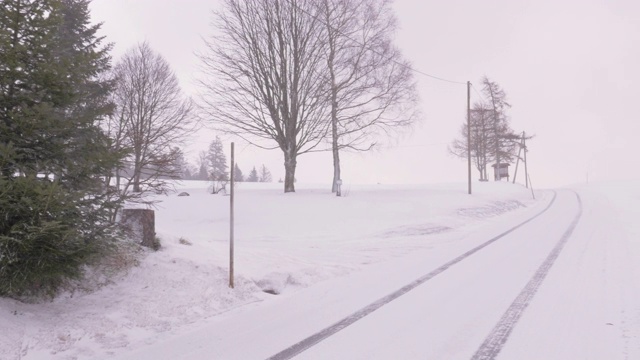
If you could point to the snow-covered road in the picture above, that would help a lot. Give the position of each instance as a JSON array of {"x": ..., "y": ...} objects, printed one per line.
[
  {"x": 589, "y": 305},
  {"x": 449, "y": 316},
  {"x": 554, "y": 288}
]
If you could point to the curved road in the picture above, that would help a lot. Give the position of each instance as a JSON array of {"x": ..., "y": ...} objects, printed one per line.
[{"x": 467, "y": 311}]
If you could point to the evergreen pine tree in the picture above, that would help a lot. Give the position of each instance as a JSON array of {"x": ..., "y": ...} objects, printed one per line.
[
  {"x": 217, "y": 161},
  {"x": 237, "y": 174},
  {"x": 202, "y": 173},
  {"x": 265, "y": 174},
  {"x": 54, "y": 207},
  {"x": 253, "y": 175},
  {"x": 203, "y": 165},
  {"x": 180, "y": 166}
]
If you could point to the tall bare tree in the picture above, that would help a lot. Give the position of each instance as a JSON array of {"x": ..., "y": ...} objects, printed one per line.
[
  {"x": 492, "y": 138},
  {"x": 264, "y": 81},
  {"x": 481, "y": 139},
  {"x": 372, "y": 90},
  {"x": 504, "y": 139},
  {"x": 152, "y": 117}
]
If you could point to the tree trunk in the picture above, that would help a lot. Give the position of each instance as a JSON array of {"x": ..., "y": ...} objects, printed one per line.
[
  {"x": 136, "y": 183},
  {"x": 137, "y": 170},
  {"x": 334, "y": 135},
  {"x": 289, "y": 170},
  {"x": 336, "y": 168}
]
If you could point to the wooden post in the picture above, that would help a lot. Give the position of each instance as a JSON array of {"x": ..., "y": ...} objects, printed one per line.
[
  {"x": 532, "y": 193},
  {"x": 140, "y": 225},
  {"x": 497, "y": 143},
  {"x": 515, "y": 173},
  {"x": 526, "y": 173},
  {"x": 231, "y": 220},
  {"x": 469, "y": 135}
]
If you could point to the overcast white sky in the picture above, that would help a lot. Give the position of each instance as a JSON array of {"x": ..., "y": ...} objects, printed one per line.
[{"x": 571, "y": 70}]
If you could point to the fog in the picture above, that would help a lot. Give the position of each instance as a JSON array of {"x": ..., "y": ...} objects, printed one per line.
[{"x": 568, "y": 69}]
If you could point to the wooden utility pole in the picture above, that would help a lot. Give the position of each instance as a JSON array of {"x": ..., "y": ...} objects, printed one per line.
[
  {"x": 469, "y": 135},
  {"x": 231, "y": 221},
  {"x": 526, "y": 173},
  {"x": 497, "y": 176},
  {"x": 515, "y": 173},
  {"x": 495, "y": 130}
]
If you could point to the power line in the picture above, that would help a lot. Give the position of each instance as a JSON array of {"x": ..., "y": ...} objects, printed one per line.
[
  {"x": 432, "y": 76},
  {"x": 421, "y": 145},
  {"x": 375, "y": 51}
]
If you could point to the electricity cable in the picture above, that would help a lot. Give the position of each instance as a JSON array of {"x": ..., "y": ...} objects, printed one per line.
[{"x": 373, "y": 50}]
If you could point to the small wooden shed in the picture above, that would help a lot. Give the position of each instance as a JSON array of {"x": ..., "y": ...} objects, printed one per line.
[{"x": 501, "y": 172}]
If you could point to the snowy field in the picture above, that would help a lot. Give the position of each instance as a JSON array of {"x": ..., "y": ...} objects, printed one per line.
[{"x": 305, "y": 245}]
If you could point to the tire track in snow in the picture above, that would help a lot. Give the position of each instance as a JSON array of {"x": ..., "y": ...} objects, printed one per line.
[
  {"x": 496, "y": 339},
  {"x": 314, "y": 339}
]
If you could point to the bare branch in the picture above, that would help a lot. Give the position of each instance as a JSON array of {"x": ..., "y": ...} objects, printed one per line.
[
  {"x": 262, "y": 79},
  {"x": 372, "y": 89}
]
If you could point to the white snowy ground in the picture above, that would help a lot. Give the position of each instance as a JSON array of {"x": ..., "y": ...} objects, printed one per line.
[{"x": 348, "y": 252}]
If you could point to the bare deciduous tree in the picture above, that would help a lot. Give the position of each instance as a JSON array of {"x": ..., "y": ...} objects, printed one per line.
[
  {"x": 152, "y": 117},
  {"x": 492, "y": 138},
  {"x": 481, "y": 130},
  {"x": 264, "y": 82},
  {"x": 372, "y": 90}
]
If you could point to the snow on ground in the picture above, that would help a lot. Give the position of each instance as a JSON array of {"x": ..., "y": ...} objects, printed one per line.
[
  {"x": 594, "y": 289},
  {"x": 328, "y": 257},
  {"x": 284, "y": 242}
]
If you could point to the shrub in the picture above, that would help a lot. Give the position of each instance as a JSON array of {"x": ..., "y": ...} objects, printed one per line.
[{"x": 39, "y": 244}]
